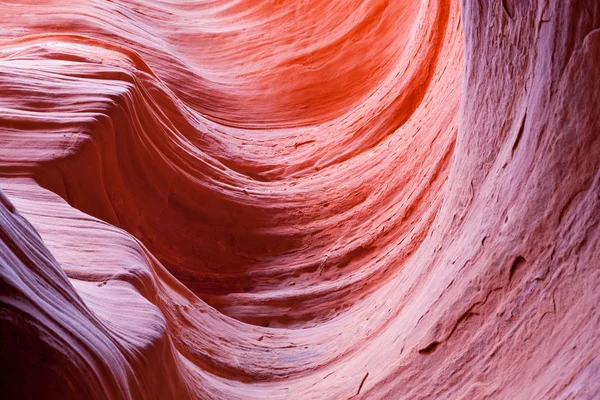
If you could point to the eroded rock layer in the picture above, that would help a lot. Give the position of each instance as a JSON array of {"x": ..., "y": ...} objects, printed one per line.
[{"x": 305, "y": 199}]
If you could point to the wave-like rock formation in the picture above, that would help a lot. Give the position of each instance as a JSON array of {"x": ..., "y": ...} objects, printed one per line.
[{"x": 242, "y": 199}]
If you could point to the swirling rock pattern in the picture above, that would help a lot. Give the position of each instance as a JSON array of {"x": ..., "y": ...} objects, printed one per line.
[{"x": 294, "y": 200}]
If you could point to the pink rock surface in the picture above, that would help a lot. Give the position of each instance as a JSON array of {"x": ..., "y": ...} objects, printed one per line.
[{"x": 299, "y": 200}]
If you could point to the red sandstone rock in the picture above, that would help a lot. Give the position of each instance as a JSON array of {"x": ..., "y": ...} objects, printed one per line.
[{"x": 282, "y": 199}]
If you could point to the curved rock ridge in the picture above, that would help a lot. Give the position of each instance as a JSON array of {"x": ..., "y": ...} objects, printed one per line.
[
  {"x": 299, "y": 200},
  {"x": 263, "y": 223}
]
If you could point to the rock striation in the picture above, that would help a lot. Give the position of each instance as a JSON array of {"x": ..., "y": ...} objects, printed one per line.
[{"x": 299, "y": 200}]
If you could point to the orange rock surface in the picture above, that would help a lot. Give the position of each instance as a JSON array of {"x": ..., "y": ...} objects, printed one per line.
[{"x": 299, "y": 199}]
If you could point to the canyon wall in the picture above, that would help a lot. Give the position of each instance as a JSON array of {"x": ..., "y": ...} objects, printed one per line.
[{"x": 299, "y": 200}]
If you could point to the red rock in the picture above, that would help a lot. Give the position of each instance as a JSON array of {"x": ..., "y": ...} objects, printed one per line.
[{"x": 370, "y": 199}]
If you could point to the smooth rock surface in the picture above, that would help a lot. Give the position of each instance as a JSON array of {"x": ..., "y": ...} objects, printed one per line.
[{"x": 299, "y": 200}]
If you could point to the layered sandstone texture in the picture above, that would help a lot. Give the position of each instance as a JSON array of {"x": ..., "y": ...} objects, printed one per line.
[{"x": 304, "y": 199}]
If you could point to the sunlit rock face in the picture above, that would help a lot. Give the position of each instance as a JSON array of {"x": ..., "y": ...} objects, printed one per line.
[{"x": 299, "y": 199}]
